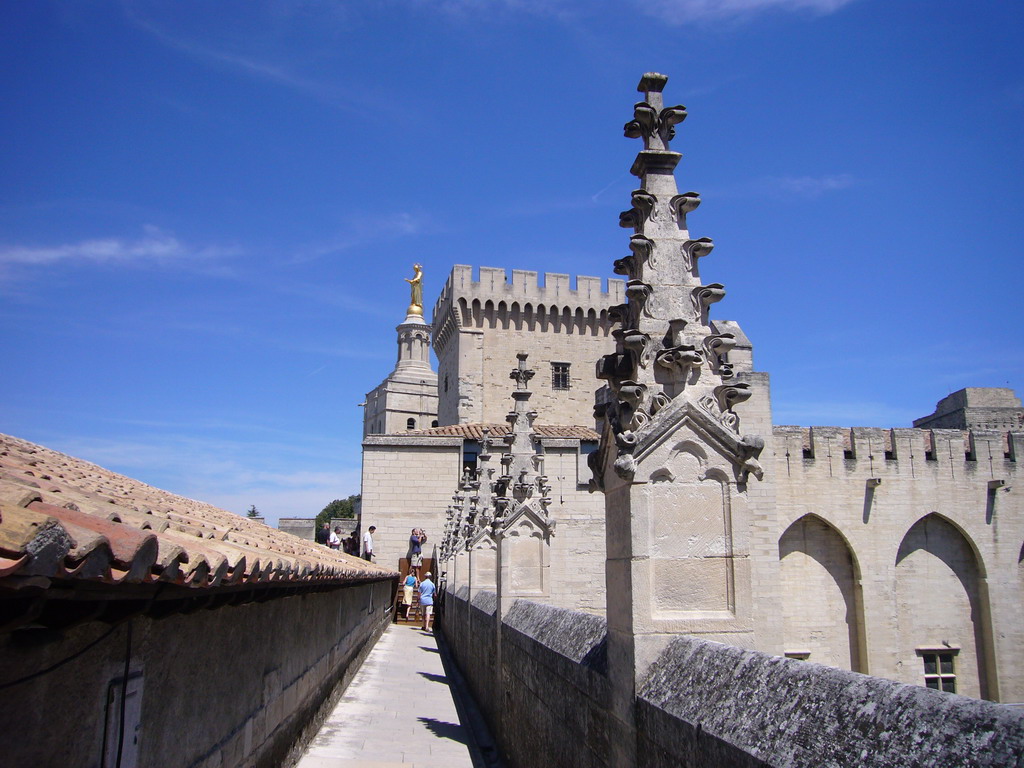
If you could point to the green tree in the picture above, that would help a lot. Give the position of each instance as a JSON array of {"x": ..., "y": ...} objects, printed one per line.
[
  {"x": 338, "y": 508},
  {"x": 253, "y": 512}
]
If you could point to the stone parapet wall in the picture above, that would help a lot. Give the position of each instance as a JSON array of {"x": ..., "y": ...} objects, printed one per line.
[
  {"x": 525, "y": 287},
  {"x": 549, "y": 706},
  {"x": 303, "y": 527},
  {"x": 224, "y": 688},
  {"x": 706, "y": 704},
  {"x": 469, "y": 629},
  {"x": 998, "y": 449}
]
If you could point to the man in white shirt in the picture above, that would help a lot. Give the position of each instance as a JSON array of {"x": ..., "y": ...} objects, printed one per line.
[{"x": 368, "y": 543}]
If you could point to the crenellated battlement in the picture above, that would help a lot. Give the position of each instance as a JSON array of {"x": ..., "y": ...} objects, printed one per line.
[
  {"x": 523, "y": 303},
  {"x": 878, "y": 448}
]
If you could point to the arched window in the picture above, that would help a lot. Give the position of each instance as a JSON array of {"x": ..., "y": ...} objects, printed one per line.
[
  {"x": 434, "y": 423},
  {"x": 410, "y": 423}
]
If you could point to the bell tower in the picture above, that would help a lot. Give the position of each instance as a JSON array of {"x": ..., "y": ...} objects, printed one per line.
[{"x": 407, "y": 399}]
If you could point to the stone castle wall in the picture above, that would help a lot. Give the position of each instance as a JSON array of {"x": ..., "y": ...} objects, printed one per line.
[
  {"x": 408, "y": 482},
  {"x": 705, "y": 704},
  {"x": 228, "y": 687},
  {"x": 480, "y": 326},
  {"x": 893, "y": 542}
]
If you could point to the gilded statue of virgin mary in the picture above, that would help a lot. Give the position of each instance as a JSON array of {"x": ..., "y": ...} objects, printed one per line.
[{"x": 416, "y": 291}]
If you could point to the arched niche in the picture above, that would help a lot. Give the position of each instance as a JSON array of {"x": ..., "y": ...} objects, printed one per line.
[
  {"x": 483, "y": 564},
  {"x": 939, "y": 604},
  {"x": 691, "y": 537},
  {"x": 524, "y": 548},
  {"x": 822, "y": 616}
]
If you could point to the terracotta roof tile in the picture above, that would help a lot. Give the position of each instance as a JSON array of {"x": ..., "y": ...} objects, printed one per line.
[
  {"x": 475, "y": 431},
  {"x": 66, "y": 520}
]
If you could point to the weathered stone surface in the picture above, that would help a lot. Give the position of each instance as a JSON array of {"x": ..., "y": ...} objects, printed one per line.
[
  {"x": 728, "y": 702},
  {"x": 705, "y": 705},
  {"x": 577, "y": 636}
]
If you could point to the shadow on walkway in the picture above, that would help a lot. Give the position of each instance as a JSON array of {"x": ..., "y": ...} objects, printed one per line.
[
  {"x": 434, "y": 678},
  {"x": 443, "y": 730}
]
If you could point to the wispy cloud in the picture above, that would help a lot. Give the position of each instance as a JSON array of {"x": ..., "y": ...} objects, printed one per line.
[
  {"x": 813, "y": 186},
  {"x": 256, "y": 66},
  {"x": 671, "y": 11},
  {"x": 683, "y": 11},
  {"x": 155, "y": 245},
  {"x": 368, "y": 230},
  {"x": 795, "y": 186}
]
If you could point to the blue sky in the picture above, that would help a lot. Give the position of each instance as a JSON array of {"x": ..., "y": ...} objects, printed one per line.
[{"x": 207, "y": 209}]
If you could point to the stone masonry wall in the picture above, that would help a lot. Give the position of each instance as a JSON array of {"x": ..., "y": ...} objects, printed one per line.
[
  {"x": 243, "y": 700},
  {"x": 480, "y": 326},
  {"x": 896, "y": 541},
  {"x": 578, "y": 545},
  {"x": 549, "y": 705},
  {"x": 704, "y": 705},
  {"x": 407, "y": 483},
  {"x": 469, "y": 628}
]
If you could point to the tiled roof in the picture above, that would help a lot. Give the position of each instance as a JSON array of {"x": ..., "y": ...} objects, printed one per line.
[
  {"x": 475, "y": 431},
  {"x": 66, "y": 522}
]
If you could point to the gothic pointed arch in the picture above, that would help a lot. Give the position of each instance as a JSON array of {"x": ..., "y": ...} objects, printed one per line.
[
  {"x": 822, "y": 617},
  {"x": 941, "y": 605}
]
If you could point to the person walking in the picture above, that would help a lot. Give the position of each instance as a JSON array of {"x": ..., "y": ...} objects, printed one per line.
[
  {"x": 368, "y": 543},
  {"x": 427, "y": 590},
  {"x": 408, "y": 586}
]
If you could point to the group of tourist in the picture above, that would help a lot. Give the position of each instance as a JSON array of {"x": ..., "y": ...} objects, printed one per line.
[
  {"x": 412, "y": 582},
  {"x": 426, "y": 589},
  {"x": 333, "y": 539}
]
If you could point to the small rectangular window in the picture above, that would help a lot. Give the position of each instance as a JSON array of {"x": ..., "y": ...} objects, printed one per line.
[
  {"x": 939, "y": 669},
  {"x": 560, "y": 376}
]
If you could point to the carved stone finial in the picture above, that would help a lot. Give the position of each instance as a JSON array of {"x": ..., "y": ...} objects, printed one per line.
[
  {"x": 669, "y": 363},
  {"x": 521, "y": 374},
  {"x": 652, "y": 82}
]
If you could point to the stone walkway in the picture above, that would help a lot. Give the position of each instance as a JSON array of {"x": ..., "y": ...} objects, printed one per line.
[{"x": 398, "y": 711}]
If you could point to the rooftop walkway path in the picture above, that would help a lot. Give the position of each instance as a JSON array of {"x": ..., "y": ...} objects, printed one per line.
[{"x": 401, "y": 709}]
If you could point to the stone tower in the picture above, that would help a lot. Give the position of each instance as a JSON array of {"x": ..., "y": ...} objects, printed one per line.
[
  {"x": 479, "y": 325},
  {"x": 675, "y": 462},
  {"x": 407, "y": 398}
]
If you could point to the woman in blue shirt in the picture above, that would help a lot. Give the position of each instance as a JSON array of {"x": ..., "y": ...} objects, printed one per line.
[{"x": 427, "y": 590}]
